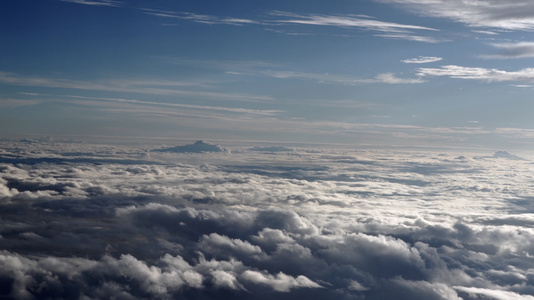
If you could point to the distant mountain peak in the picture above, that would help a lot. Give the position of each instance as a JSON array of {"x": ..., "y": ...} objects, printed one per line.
[{"x": 199, "y": 146}]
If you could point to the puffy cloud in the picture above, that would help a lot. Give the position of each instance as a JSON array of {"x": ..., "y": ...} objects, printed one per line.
[
  {"x": 493, "y": 294},
  {"x": 281, "y": 282},
  {"x": 93, "y": 222}
]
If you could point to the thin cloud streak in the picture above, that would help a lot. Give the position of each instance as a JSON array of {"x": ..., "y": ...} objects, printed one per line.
[
  {"x": 490, "y": 75},
  {"x": 422, "y": 60},
  {"x": 188, "y": 106},
  {"x": 96, "y": 3},
  {"x": 150, "y": 87},
  {"x": 347, "y": 21},
  {"x": 388, "y": 78},
  {"x": 412, "y": 37},
  {"x": 199, "y": 18},
  {"x": 387, "y": 29},
  {"x": 512, "y": 50}
]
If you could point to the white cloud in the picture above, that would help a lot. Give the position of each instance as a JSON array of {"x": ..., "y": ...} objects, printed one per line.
[
  {"x": 493, "y": 294},
  {"x": 489, "y": 75},
  {"x": 386, "y": 29},
  {"x": 512, "y": 50},
  {"x": 325, "y": 223},
  {"x": 508, "y": 15},
  {"x": 388, "y": 78},
  {"x": 96, "y": 2},
  {"x": 281, "y": 282},
  {"x": 347, "y": 21},
  {"x": 150, "y": 87},
  {"x": 199, "y": 18},
  {"x": 412, "y": 37},
  {"x": 422, "y": 60}
]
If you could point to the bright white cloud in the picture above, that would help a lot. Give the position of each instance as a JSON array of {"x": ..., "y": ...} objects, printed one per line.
[
  {"x": 281, "y": 282},
  {"x": 490, "y": 75},
  {"x": 322, "y": 223},
  {"x": 493, "y": 294},
  {"x": 385, "y": 29},
  {"x": 422, "y": 60},
  {"x": 347, "y": 21},
  {"x": 509, "y": 15}
]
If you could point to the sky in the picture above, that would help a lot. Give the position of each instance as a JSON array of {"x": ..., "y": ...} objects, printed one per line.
[{"x": 363, "y": 72}]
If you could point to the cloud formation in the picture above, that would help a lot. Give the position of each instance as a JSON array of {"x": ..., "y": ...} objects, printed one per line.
[
  {"x": 507, "y": 15},
  {"x": 199, "y": 18},
  {"x": 512, "y": 50},
  {"x": 422, "y": 60},
  {"x": 388, "y": 78},
  {"x": 97, "y": 2},
  {"x": 383, "y": 29},
  {"x": 453, "y": 71},
  {"x": 101, "y": 222}
]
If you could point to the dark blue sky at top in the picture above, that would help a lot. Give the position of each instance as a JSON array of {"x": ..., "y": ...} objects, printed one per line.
[{"x": 310, "y": 71}]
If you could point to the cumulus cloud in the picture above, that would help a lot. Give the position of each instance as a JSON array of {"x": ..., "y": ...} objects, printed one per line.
[
  {"x": 493, "y": 294},
  {"x": 95, "y": 222},
  {"x": 281, "y": 282}
]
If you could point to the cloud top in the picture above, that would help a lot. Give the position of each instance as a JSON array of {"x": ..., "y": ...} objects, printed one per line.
[{"x": 321, "y": 224}]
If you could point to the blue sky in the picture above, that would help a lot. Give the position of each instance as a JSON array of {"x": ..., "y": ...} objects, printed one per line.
[{"x": 385, "y": 72}]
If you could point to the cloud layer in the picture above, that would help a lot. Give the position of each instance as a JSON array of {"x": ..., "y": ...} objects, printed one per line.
[{"x": 101, "y": 222}]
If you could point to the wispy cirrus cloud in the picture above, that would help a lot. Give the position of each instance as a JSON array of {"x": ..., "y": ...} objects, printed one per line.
[
  {"x": 388, "y": 78},
  {"x": 509, "y": 15},
  {"x": 95, "y": 2},
  {"x": 461, "y": 72},
  {"x": 386, "y": 29},
  {"x": 181, "y": 105},
  {"x": 199, "y": 18},
  {"x": 412, "y": 37},
  {"x": 345, "y": 21},
  {"x": 422, "y": 60},
  {"x": 512, "y": 50},
  {"x": 151, "y": 87}
]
